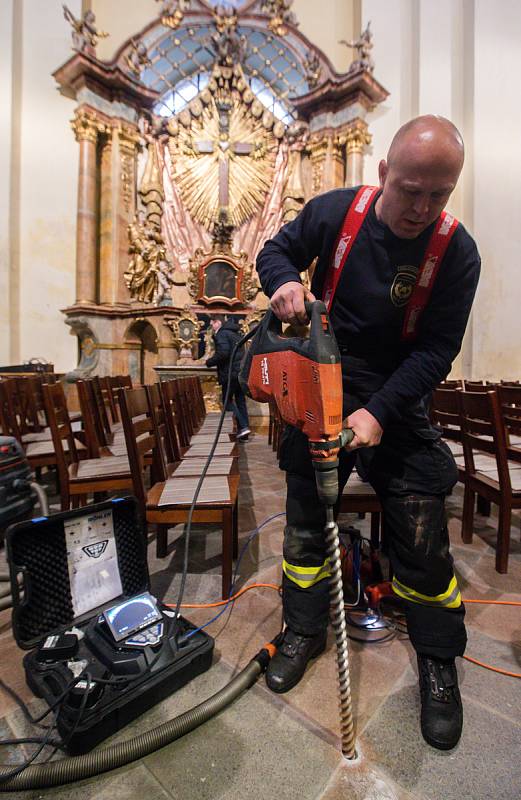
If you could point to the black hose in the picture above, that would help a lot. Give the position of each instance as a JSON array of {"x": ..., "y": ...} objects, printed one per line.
[{"x": 67, "y": 770}]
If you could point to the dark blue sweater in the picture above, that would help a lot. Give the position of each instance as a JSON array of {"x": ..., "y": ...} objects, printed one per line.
[{"x": 368, "y": 309}]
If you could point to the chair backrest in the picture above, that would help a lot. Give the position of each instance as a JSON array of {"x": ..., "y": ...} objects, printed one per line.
[
  {"x": 104, "y": 440},
  {"x": 483, "y": 432},
  {"x": 106, "y": 391},
  {"x": 187, "y": 405},
  {"x": 125, "y": 381},
  {"x": 196, "y": 398},
  {"x": 474, "y": 386},
  {"x": 139, "y": 433},
  {"x": 168, "y": 397},
  {"x": 8, "y": 418},
  {"x": 451, "y": 384},
  {"x": 184, "y": 424},
  {"x": 89, "y": 419},
  {"x": 61, "y": 429},
  {"x": 162, "y": 455},
  {"x": 445, "y": 412},
  {"x": 99, "y": 401},
  {"x": 36, "y": 404},
  {"x": 510, "y": 401}
]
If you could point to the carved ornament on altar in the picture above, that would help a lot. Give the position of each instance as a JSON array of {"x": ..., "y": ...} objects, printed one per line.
[
  {"x": 280, "y": 14},
  {"x": 250, "y": 321},
  {"x": 172, "y": 12},
  {"x": 185, "y": 334}
]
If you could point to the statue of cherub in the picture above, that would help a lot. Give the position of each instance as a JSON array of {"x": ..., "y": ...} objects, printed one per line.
[
  {"x": 137, "y": 58},
  {"x": 165, "y": 279},
  {"x": 85, "y": 34},
  {"x": 363, "y": 47}
]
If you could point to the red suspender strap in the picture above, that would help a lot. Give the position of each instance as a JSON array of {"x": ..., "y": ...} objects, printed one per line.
[
  {"x": 354, "y": 218},
  {"x": 438, "y": 243}
]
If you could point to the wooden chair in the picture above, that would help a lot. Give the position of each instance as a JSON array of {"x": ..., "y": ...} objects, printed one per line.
[
  {"x": 38, "y": 453},
  {"x": 78, "y": 478},
  {"x": 168, "y": 502},
  {"x": 483, "y": 433},
  {"x": 445, "y": 413},
  {"x": 199, "y": 445},
  {"x": 171, "y": 455},
  {"x": 33, "y": 409},
  {"x": 359, "y": 497},
  {"x": 94, "y": 439},
  {"x": 510, "y": 400},
  {"x": 109, "y": 436}
]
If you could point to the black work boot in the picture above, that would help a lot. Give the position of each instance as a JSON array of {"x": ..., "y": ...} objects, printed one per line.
[
  {"x": 288, "y": 665},
  {"x": 441, "y": 709}
]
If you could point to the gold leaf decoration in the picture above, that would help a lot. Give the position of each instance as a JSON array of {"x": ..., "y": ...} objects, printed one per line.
[{"x": 211, "y": 167}]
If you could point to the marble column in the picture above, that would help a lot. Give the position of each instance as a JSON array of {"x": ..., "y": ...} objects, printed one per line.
[
  {"x": 318, "y": 149},
  {"x": 86, "y": 127},
  {"x": 357, "y": 138}
]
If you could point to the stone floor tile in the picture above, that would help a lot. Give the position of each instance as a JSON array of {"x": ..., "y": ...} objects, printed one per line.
[
  {"x": 481, "y": 767},
  {"x": 251, "y": 749}
]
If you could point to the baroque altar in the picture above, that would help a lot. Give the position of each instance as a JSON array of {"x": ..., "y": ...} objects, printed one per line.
[{"x": 206, "y": 132}]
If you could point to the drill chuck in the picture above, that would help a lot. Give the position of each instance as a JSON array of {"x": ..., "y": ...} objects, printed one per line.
[{"x": 326, "y": 476}]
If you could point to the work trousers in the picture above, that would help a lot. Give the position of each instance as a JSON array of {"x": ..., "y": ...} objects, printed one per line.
[
  {"x": 236, "y": 403},
  {"x": 411, "y": 471}
]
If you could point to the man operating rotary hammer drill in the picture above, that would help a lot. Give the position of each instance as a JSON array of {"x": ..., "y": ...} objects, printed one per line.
[{"x": 398, "y": 276}]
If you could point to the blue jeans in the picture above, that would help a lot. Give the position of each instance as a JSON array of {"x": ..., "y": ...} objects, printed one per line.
[{"x": 236, "y": 403}]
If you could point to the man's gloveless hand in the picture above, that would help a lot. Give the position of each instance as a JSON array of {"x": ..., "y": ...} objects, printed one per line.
[
  {"x": 366, "y": 428},
  {"x": 288, "y": 303}
]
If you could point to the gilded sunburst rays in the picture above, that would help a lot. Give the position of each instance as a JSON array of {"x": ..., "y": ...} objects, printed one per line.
[{"x": 213, "y": 166}]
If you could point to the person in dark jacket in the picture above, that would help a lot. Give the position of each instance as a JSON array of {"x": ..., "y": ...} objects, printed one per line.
[
  {"x": 386, "y": 375},
  {"x": 225, "y": 336}
]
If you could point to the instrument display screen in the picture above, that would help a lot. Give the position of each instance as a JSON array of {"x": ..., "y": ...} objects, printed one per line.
[{"x": 132, "y": 615}]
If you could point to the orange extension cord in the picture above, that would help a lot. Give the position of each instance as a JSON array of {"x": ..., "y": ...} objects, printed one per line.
[{"x": 278, "y": 589}]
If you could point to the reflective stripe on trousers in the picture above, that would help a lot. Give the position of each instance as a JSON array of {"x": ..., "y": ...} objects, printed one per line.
[
  {"x": 305, "y": 577},
  {"x": 451, "y": 598}
]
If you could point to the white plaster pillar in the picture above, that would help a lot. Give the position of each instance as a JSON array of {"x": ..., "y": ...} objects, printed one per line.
[
  {"x": 48, "y": 187},
  {"x": 6, "y": 155}
]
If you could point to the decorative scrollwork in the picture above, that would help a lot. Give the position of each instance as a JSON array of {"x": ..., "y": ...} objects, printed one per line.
[
  {"x": 173, "y": 11},
  {"x": 280, "y": 14},
  {"x": 185, "y": 333}
]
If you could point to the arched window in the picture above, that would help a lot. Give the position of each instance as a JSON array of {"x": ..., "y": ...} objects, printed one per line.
[{"x": 181, "y": 61}]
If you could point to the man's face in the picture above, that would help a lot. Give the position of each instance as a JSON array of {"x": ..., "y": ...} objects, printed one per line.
[
  {"x": 216, "y": 324},
  {"x": 414, "y": 195}
]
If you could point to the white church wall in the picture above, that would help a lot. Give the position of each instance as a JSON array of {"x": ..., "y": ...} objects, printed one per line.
[
  {"x": 48, "y": 180},
  {"x": 497, "y": 203},
  {"x": 6, "y": 121}
]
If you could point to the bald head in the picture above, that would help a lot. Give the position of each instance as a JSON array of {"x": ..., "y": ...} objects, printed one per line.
[
  {"x": 422, "y": 168},
  {"x": 429, "y": 138}
]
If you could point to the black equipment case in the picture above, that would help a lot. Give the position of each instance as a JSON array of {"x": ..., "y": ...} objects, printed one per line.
[
  {"x": 106, "y": 681},
  {"x": 15, "y": 503}
]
